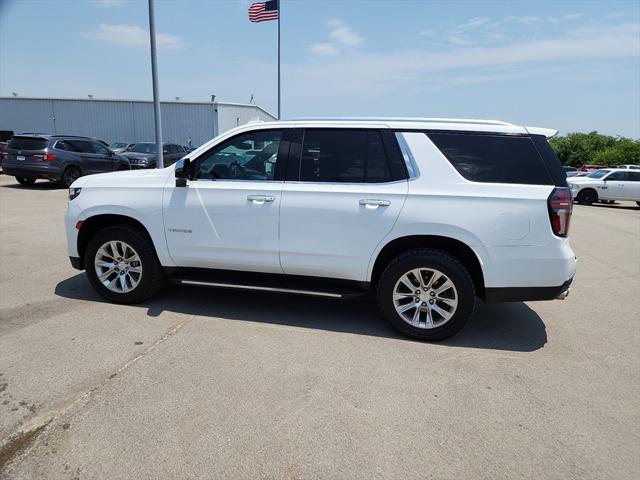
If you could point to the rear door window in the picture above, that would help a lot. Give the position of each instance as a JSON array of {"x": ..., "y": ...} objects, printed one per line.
[
  {"x": 337, "y": 156},
  {"x": 633, "y": 176},
  {"x": 27, "y": 143},
  {"x": 493, "y": 158},
  {"x": 81, "y": 146}
]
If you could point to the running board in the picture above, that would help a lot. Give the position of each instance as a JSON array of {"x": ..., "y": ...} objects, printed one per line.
[{"x": 313, "y": 287}]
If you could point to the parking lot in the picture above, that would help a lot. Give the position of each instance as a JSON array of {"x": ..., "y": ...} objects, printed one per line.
[{"x": 203, "y": 383}]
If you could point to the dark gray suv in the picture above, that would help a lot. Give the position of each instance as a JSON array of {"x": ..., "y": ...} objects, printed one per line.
[
  {"x": 58, "y": 158},
  {"x": 143, "y": 155}
]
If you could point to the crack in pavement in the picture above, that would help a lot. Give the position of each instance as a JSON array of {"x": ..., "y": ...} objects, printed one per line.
[{"x": 19, "y": 442}]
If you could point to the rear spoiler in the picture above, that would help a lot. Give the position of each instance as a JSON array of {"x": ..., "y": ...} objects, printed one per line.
[{"x": 547, "y": 132}]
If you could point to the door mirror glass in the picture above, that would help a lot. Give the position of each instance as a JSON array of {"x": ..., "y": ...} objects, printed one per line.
[{"x": 182, "y": 172}]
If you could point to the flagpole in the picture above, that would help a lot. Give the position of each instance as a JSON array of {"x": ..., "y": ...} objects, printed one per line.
[{"x": 279, "y": 13}]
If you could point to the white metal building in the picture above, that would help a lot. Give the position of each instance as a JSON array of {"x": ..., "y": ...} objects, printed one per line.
[{"x": 125, "y": 120}]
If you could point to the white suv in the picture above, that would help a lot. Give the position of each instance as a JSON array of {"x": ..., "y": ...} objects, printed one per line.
[
  {"x": 428, "y": 214},
  {"x": 607, "y": 184}
]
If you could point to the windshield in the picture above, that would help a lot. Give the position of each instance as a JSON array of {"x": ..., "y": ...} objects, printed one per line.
[
  {"x": 144, "y": 148},
  {"x": 598, "y": 174},
  {"x": 118, "y": 145}
]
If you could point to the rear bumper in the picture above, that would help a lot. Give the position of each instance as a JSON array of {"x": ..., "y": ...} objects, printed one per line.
[
  {"x": 527, "y": 294},
  {"x": 39, "y": 171}
]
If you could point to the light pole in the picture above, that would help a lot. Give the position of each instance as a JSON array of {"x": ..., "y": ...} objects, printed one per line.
[{"x": 156, "y": 97}]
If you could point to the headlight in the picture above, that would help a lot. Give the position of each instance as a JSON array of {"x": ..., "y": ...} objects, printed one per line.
[
  {"x": 74, "y": 192},
  {"x": 573, "y": 186}
]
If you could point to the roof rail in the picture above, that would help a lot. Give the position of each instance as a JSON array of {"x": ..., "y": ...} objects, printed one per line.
[{"x": 409, "y": 119}]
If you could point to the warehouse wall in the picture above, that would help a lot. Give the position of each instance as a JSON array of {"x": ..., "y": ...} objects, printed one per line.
[
  {"x": 232, "y": 115},
  {"x": 123, "y": 120}
]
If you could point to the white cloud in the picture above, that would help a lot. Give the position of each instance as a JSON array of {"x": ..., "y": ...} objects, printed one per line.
[
  {"x": 132, "y": 36},
  {"x": 324, "y": 49},
  {"x": 376, "y": 75},
  {"x": 341, "y": 36},
  {"x": 484, "y": 30}
]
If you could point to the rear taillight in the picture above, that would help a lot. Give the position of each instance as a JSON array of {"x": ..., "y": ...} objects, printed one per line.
[
  {"x": 560, "y": 205},
  {"x": 47, "y": 157}
]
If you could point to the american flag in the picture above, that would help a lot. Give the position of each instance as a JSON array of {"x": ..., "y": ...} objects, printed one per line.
[{"x": 264, "y": 11}]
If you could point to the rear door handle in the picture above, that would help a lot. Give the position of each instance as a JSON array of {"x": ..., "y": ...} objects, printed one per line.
[
  {"x": 260, "y": 198},
  {"x": 374, "y": 203}
]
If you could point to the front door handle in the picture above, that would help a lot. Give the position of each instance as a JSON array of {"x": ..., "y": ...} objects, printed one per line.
[
  {"x": 260, "y": 199},
  {"x": 374, "y": 203}
]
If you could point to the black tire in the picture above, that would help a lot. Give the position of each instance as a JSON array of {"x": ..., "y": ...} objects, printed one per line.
[
  {"x": 587, "y": 197},
  {"x": 70, "y": 175},
  {"x": 26, "y": 181},
  {"x": 122, "y": 168},
  {"x": 152, "y": 277},
  {"x": 449, "y": 266}
]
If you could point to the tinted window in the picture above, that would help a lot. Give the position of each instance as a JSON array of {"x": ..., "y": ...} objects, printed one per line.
[
  {"x": 617, "y": 176},
  {"x": 82, "y": 146},
  {"x": 355, "y": 156},
  {"x": 250, "y": 156},
  {"x": 633, "y": 176},
  {"x": 551, "y": 161},
  {"x": 27, "y": 143},
  {"x": 65, "y": 145},
  {"x": 99, "y": 148},
  {"x": 493, "y": 158},
  {"x": 144, "y": 148}
]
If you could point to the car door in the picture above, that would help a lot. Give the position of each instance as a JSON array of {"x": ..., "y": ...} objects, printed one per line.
[
  {"x": 632, "y": 186},
  {"x": 613, "y": 186},
  {"x": 89, "y": 162},
  {"x": 227, "y": 215},
  {"x": 344, "y": 199},
  {"x": 104, "y": 159}
]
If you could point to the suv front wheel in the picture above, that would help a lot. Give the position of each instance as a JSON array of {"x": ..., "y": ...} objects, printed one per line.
[
  {"x": 426, "y": 294},
  {"x": 122, "y": 265}
]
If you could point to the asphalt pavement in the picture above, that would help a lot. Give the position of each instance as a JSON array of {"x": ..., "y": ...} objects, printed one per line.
[{"x": 204, "y": 383}]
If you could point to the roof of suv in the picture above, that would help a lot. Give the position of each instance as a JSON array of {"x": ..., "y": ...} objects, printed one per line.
[{"x": 409, "y": 123}]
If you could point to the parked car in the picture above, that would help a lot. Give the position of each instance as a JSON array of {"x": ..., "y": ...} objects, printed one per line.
[
  {"x": 629, "y": 167},
  {"x": 120, "y": 147},
  {"x": 58, "y": 158},
  {"x": 606, "y": 185},
  {"x": 427, "y": 215},
  {"x": 589, "y": 168},
  {"x": 143, "y": 155}
]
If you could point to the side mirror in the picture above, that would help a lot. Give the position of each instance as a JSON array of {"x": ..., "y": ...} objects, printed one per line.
[{"x": 182, "y": 172}]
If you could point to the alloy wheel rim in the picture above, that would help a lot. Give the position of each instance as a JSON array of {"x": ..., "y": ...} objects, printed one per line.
[
  {"x": 425, "y": 298},
  {"x": 72, "y": 176},
  {"x": 118, "y": 266}
]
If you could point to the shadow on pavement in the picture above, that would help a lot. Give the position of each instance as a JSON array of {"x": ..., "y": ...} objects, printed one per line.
[
  {"x": 507, "y": 326},
  {"x": 39, "y": 185},
  {"x": 615, "y": 206}
]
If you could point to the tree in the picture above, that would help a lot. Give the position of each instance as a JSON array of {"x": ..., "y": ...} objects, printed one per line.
[
  {"x": 577, "y": 149},
  {"x": 624, "y": 151}
]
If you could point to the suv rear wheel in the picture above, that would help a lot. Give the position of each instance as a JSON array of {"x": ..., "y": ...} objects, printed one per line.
[
  {"x": 122, "y": 265},
  {"x": 426, "y": 294},
  {"x": 26, "y": 181},
  {"x": 70, "y": 175}
]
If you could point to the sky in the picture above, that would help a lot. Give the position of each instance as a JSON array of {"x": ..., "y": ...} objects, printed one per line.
[{"x": 570, "y": 65}]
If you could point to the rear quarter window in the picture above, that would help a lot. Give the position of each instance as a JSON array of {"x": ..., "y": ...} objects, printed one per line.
[
  {"x": 493, "y": 158},
  {"x": 27, "y": 143}
]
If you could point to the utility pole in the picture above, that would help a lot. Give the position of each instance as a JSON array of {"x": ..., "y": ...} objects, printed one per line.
[{"x": 156, "y": 97}]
